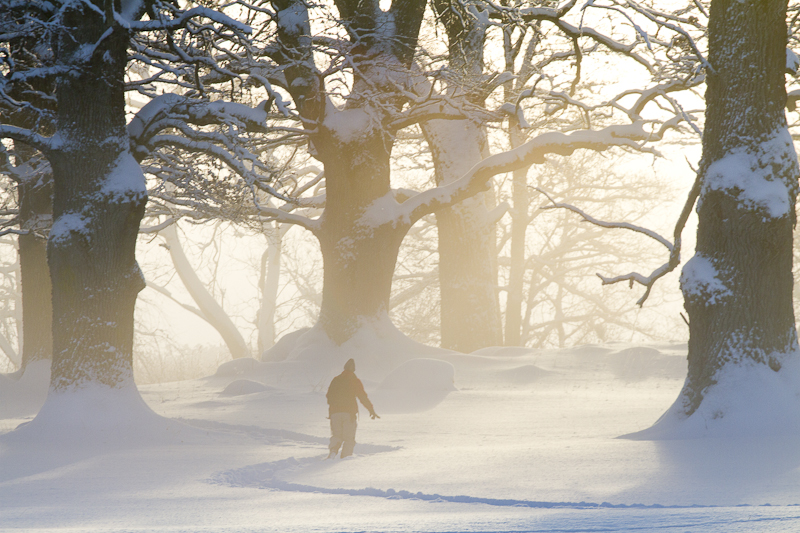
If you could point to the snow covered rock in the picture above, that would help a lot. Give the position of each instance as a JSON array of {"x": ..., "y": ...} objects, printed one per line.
[
  {"x": 416, "y": 385},
  {"x": 237, "y": 367},
  {"x": 241, "y": 387},
  {"x": 641, "y": 362},
  {"x": 522, "y": 375}
]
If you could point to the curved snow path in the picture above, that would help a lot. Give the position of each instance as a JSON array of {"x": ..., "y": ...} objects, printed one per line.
[
  {"x": 266, "y": 476},
  {"x": 570, "y": 515}
]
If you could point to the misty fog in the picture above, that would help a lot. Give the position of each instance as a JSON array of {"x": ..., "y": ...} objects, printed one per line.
[{"x": 454, "y": 265}]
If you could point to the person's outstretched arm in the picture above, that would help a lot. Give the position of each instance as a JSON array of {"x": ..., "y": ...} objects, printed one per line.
[{"x": 361, "y": 394}]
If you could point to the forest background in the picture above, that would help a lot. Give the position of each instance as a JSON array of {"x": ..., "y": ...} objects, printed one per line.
[{"x": 253, "y": 280}]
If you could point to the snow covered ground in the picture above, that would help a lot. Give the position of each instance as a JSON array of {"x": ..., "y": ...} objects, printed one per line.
[{"x": 525, "y": 441}]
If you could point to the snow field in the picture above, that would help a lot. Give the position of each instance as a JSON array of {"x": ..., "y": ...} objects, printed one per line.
[{"x": 527, "y": 442}]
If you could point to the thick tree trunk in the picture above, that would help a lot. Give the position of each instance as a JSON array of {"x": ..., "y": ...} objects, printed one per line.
[
  {"x": 359, "y": 252},
  {"x": 470, "y": 311},
  {"x": 359, "y": 246},
  {"x": 98, "y": 201},
  {"x": 738, "y": 286}
]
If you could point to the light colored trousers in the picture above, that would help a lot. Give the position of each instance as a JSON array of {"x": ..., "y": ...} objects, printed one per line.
[{"x": 343, "y": 433}]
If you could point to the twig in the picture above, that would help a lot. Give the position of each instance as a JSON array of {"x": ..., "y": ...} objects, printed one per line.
[{"x": 674, "y": 248}]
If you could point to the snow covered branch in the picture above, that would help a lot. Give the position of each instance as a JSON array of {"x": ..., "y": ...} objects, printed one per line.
[
  {"x": 41, "y": 143},
  {"x": 532, "y": 152},
  {"x": 285, "y": 217},
  {"x": 181, "y": 21},
  {"x": 621, "y": 225},
  {"x": 674, "y": 248},
  {"x": 441, "y": 108}
]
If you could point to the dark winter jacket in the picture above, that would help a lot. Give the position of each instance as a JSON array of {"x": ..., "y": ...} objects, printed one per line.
[{"x": 342, "y": 394}]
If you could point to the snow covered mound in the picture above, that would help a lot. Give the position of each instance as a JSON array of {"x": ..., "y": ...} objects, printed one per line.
[
  {"x": 416, "y": 385},
  {"x": 378, "y": 348},
  {"x": 522, "y": 375},
  {"x": 23, "y": 396},
  {"x": 641, "y": 362},
  {"x": 237, "y": 367},
  {"x": 96, "y": 417},
  {"x": 240, "y": 387},
  {"x": 748, "y": 401},
  {"x": 421, "y": 374},
  {"x": 283, "y": 348}
]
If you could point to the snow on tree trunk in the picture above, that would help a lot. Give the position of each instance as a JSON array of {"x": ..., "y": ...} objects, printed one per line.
[
  {"x": 738, "y": 286},
  {"x": 98, "y": 201},
  {"x": 359, "y": 246},
  {"x": 470, "y": 311},
  {"x": 359, "y": 253}
]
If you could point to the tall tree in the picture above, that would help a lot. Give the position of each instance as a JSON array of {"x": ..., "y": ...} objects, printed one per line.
[
  {"x": 738, "y": 286},
  {"x": 354, "y": 93},
  {"x": 98, "y": 195},
  {"x": 469, "y": 306},
  {"x": 31, "y": 174},
  {"x": 99, "y": 191}
]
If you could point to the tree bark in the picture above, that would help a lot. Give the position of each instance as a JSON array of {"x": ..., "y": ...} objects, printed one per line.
[
  {"x": 35, "y": 201},
  {"x": 98, "y": 201},
  {"x": 742, "y": 315},
  {"x": 354, "y": 145}
]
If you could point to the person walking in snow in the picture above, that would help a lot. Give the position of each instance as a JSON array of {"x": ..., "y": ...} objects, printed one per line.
[{"x": 343, "y": 409}]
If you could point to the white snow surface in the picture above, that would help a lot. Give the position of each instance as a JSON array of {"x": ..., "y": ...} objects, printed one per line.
[
  {"x": 516, "y": 440},
  {"x": 131, "y": 8},
  {"x": 150, "y": 111},
  {"x": 699, "y": 278},
  {"x": 382, "y": 211},
  {"x": 749, "y": 400},
  {"x": 756, "y": 175},
  {"x": 349, "y": 125},
  {"x": 66, "y": 225},
  {"x": 125, "y": 181}
]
